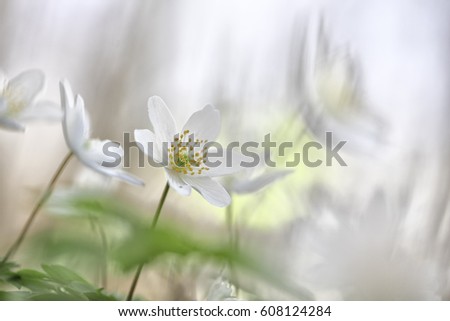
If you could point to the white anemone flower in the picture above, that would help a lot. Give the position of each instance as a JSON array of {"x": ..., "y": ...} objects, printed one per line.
[
  {"x": 335, "y": 99},
  {"x": 17, "y": 100},
  {"x": 76, "y": 133},
  {"x": 187, "y": 167}
]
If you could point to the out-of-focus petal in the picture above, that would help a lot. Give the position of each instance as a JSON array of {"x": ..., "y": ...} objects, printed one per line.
[
  {"x": 67, "y": 98},
  {"x": 212, "y": 191},
  {"x": 27, "y": 85},
  {"x": 204, "y": 124},
  {"x": 75, "y": 122},
  {"x": 42, "y": 110},
  {"x": 11, "y": 125},
  {"x": 104, "y": 157},
  {"x": 258, "y": 183},
  {"x": 226, "y": 164},
  {"x": 117, "y": 173}
]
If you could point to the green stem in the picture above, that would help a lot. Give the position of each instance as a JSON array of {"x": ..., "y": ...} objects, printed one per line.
[
  {"x": 15, "y": 246},
  {"x": 233, "y": 239},
  {"x": 103, "y": 273},
  {"x": 104, "y": 267},
  {"x": 154, "y": 222},
  {"x": 229, "y": 222}
]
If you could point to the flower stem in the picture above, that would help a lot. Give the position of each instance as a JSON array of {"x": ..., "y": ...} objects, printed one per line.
[
  {"x": 233, "y": 239},
  {"x": 154, "y": 222},
  {"x": 104, "y": 267},
  {"x": 36, "y": 209},
  {"x": 103, "y": 273}
]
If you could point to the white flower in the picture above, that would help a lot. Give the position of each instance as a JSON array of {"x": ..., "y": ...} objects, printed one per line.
[
  {"x": 350, "y": 253},
  {"x": 76, "y": 132},
  {"x": 17, "y": 100},
  {"x": 186, "y": 166},
  {"x": 221, "y": 290},
  {"x": 334, "y": 97}
]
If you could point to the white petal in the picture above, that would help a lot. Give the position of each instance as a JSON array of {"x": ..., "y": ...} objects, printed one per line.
[
  {"x": 226, "y": 164},
  {"x": 42, "y": 110},
  {"x": 177, "y": 183},
  {"x": 161, "y": 119},
  {"x": 75, "y": 121},
  {"x": 3, "y": 106},
  {"x": 117, "y": 173},
  {"x": 93, "y": 156},
  {"x": 96, "y": 150},
  {"x": 148, "y": 143},
  {"x": 258, "y": 183},
  {"x": 204, "y": 124},
  {"x": 27, "y": 84},
  {"x": 11, "y": 124},
  {"x": 212, "y": 191},
  {"x": 67, "y": 98},
  {"x": 2, "y": 79}
]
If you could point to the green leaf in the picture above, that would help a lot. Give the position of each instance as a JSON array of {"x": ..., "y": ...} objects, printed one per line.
[
  {"x": 53, "y": 297},
  {"x": 92, "y": 204},
  {"x": 14, "y": 295},
  {"x": 55, "y": 283},
  {"x": 146, "y": 245},
  {"x": 6, "y": 271},
  {"x": 33, "y": 280},
  {"x": 99, "y": 296},
  {"x": 63, "y": 275}
]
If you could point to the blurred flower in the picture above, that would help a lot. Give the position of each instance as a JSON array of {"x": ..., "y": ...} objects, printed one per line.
[
  {"x": 76, "y": 132},
  {"x": 221, "y": 290},
  {"x": 334, "y": 98},
  {"x": 348, "y": 252},
  {"x": 186, "y": 168},
  {"x": 17, "y": 100}
]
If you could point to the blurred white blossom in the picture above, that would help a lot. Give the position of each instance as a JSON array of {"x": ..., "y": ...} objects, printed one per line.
[
  {"x": 347, "y": 252},
  {"x": 76, "y": 132},
  {"x": 18, "y": 100},
  {"x": 334, "y": 99},
  {"x": 221, "y": 290}
]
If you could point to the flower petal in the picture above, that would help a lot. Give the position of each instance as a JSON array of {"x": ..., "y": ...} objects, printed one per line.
[
  {"x": 67, "y": 98},
  {"x": 75, "y": 121},
  {"x": 3, "y": 106},
  {"x": 42, "y": 110},
  {"x": 95, "y": 157},
  {"x": 177, "y": 183},
  {"x": 117, "y": 173},
  {"x": 258, "y": 183},
  {"x": 11, "y": 124},
  {"x": 223, "y": 165},
  {"x": 27, "y": 84},
  {"x": 101, "y": 151},
  {"x": 212, "y": 191},
  {"x": 161, "y": 119},
  {"x": 204, "y": 124},
  {"x": 148, "y": 143},
  {"x": 2, "y": 79}
]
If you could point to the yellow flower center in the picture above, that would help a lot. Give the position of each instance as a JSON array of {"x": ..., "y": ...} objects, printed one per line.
[
  {"x": 14, "y": 104},
  {"x": 183, "y": 156}
]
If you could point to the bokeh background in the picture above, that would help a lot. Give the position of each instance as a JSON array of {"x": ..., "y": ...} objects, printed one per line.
[{"x": 376, "y": 229}]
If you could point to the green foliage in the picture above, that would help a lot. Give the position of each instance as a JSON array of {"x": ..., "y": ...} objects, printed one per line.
[
  {"x": 131, "y": 242},
  {"x": 147, "y": 245},
  {"x": 54, "y": 283}
]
